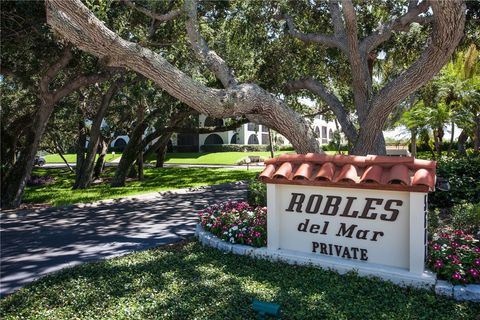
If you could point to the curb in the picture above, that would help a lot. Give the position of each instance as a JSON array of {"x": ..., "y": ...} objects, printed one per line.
[{"x": 469, "y": 292}]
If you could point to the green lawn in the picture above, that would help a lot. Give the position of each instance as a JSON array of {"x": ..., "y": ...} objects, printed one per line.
[
  {"x": 227, "y": 158},
  {"x": 188, "y": 281},
  {"x": 60, "y": 191},
  {"x": 72, "y": 157}
]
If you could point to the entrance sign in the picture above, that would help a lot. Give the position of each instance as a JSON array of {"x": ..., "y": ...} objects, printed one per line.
[{"x": 351, "y": 213}]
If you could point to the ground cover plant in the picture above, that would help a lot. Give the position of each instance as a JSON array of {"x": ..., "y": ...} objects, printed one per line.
[
  {"x": 60, "y": 191},
  {"x": 236, "y": 222},
  {"x": 188, "y": 281},
  {"x": 455, "y": 256}
]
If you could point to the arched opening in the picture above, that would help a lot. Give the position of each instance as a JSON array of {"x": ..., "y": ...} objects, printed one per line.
[
  {"x": 214, "y": 139},
  {"x": 120, "y": 144},
  {"x": 234, "y": 139},
  {"x": 253, "y": 139},
  {"x": 213, "y": 122}
]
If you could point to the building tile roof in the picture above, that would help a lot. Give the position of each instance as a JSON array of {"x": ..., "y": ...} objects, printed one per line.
[{"x": 366, "y": 172}]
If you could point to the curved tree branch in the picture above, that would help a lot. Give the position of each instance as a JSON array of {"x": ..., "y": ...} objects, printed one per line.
[
  {"x": 213, "y": 61},
  {"x": 333, "y": 102},
  {"x": 74, "y": 21},
  {"x": 158, "y": 17},
  {"x": 326, "y": 40},
  {"x": 54, "y": 69},
  {"x": 400, "y": 24}
]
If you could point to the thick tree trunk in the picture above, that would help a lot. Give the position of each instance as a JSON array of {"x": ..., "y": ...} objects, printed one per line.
[
  {"x": 161, "y": 149},
  {"x": 100, "y": 164},
  {"x": 18, "y": 176},
  {"x": 129, "y": 155},
  {"x": 81, "y": 142},
  {"x": 462, "y": 139},
  {"x": 84, "y": 178},
  {"x": 376, "y": 146},
  {"x": 140, "y": 119}
]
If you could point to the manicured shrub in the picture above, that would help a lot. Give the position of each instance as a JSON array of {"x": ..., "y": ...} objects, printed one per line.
[
  {"x": 234, "y": 147},
  {"x": 257, "y": 193},
  {"x": 236, "y": 222},
  {"x": 455, "y": 256},
  {"x": 287, "y": 147},
  {"x": 464, "y": 178}
]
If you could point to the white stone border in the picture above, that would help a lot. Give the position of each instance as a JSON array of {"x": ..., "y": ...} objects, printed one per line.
[{"x": 461, "y": 293}]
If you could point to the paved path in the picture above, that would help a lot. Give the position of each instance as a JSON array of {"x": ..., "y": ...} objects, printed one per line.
[{"x": 34, "y": 244}]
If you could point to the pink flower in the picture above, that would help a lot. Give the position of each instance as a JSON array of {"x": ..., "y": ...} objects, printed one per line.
[
  {"x": 477, "y": 262},
  {"x": 240, "y": 235},
  {"x": 445, "y": 236},
  {"x": 438, "y": 264},
  {"x": 458, "y": 232},
  {"x": 454, "y": 244},
  {"x": 477, "y": 250},
  {"x": 456, "y": 276},
  {"x": 436, "y": 247},
  {"x": 468, "y": 237},
  {"x": 473, "y": 272}
]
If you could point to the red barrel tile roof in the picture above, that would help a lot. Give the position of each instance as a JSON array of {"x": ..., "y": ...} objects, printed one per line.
[{"x": 369, "y": 172}]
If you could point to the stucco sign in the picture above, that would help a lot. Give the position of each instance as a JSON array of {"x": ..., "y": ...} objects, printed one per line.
[{"x": 341, "y": 212}]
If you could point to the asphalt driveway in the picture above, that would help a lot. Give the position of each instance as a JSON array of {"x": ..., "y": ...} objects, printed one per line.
[{"x": 34, "y": 244}]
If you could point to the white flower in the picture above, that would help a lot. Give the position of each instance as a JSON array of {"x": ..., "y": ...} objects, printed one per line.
[
  {"x": 234, "y": 228},
  {"x": 232, "y": 240}
]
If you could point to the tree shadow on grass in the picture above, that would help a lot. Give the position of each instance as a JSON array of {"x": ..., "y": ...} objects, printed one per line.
[{"x": 188, "y": 281}]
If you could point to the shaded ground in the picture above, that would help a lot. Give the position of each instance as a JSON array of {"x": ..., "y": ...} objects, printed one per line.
[{"x": 34, "y": 244}]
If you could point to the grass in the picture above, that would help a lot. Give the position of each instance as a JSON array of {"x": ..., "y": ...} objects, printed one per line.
[
  {"x": 188, "y": 281},
  {"x": 72, "y": 157},
  {"x": 156, "y": 179},
  {"x": 227, "y": 158}
]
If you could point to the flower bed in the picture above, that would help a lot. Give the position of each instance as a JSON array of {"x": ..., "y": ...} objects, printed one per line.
[
  {"x": 236, "y": 222},
  {"x": 39, "y": 180},
  {"x": 455, "y": 256}
]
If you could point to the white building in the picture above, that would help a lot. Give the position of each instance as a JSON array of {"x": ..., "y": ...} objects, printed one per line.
[{"x": 246, "y": 134}]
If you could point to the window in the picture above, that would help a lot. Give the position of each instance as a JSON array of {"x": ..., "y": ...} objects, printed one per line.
[
  {"x": 234, "y": 139},
  {"x": 324, "y": 135},
  {"x": 264, "y": 128},
  {"x": 253, "y": 139},
  {"x": 214, "y": 139}
]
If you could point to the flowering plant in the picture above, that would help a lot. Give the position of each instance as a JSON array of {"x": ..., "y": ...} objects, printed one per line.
[
  {"x": 236, "y": 222},
  {"x": 39, "y": 180},
  {"x": 455, "y": 256}
]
